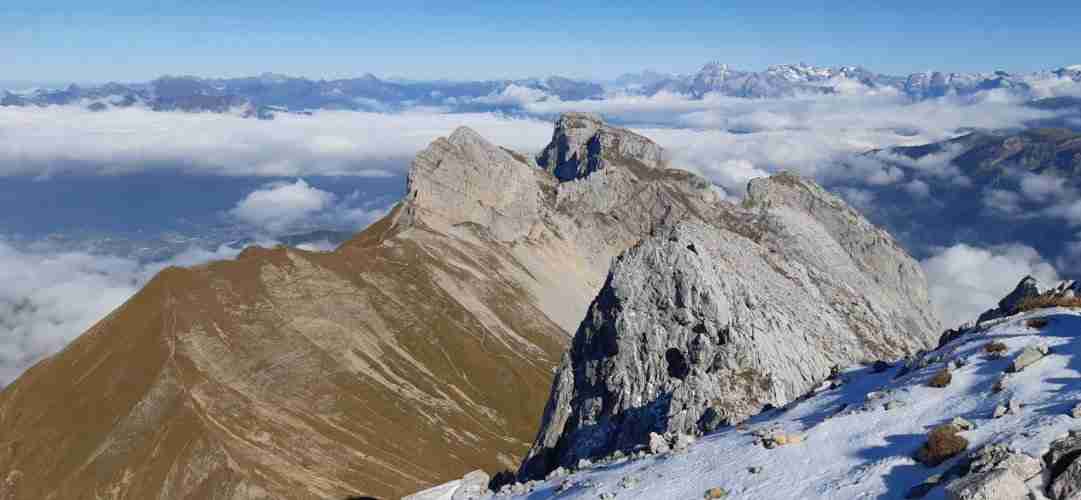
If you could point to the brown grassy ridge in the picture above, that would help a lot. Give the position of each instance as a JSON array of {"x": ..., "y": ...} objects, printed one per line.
[{"x": 1045, "y": 301}]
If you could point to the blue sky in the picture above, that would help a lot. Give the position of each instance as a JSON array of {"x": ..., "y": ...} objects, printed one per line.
[{"x": 138, "y": 40}]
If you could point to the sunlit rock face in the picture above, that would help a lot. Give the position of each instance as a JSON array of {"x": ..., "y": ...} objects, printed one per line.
[{"x": 749, "y": 307}]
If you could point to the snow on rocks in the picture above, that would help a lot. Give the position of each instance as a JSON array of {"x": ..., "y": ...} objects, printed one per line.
[
  {"x": 1028, "y": 356},
  {"x": 854, "y": 449},
  {"x": 472, "y": 486}
]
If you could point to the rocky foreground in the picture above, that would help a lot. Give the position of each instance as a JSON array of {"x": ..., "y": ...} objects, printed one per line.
[{"x": 994, "y": 413}]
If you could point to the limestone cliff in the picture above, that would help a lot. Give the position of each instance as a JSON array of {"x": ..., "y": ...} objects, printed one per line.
[{"x": 718, "y": 317}]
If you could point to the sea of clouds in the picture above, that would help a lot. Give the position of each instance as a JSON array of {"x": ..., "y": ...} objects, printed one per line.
[{"x": 48, "y": 296}]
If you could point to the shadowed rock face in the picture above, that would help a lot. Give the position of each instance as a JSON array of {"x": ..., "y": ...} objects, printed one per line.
[
  {"x": 582, "y": 144},
  {"x": 748, "y": 307},
  {"x": 419, "y": 350}
]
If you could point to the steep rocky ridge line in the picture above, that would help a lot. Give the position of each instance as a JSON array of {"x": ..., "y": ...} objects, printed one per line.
[
  {"x": 419, "y": 350},
  {"x": 709, "y": 321}
]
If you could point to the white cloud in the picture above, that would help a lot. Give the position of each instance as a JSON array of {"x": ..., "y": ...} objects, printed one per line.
[
  {"x": 514, "y": 95},
  {"x": 918, "y": 188},
  {"x": 816, "y": 137},
  {"x": 1003, "y": 202},
  {"x": 1041, "y": 188},
  {"x": 67, "y": 139},
  {"x": 965, "y": 281},
  {"x": 1054, "y": 87},
  {"x": 280, "y": 206},
  {"x": 862, "y": 199}
]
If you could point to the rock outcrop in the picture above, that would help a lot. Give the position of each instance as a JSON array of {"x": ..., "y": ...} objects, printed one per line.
[
  {"x": 583, "y": 144},
  {"x": 1030, "y": 293},
  {"x": 745, "y": 307},
  {"x": 419, "y": 350}
]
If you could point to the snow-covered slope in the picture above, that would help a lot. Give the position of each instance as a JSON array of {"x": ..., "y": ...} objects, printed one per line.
[{"x": 852, "y": 445}]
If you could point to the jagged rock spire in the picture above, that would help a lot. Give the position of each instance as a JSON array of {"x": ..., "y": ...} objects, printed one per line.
[{"x": 583, "y": 143}]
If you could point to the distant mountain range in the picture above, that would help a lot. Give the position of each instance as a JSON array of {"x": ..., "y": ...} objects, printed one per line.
[{"x": 263, "y": 96}]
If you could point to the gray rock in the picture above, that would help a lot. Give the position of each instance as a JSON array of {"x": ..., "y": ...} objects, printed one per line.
[
  {"x": 582, "y": 144},
  {"x": 556, "y": 473},
  {"x": 474, "y": 486},
  {"x": 682, "y": 442},
  {"x": 995, "y": 484},
  {"x": 1066, "y": 484},
  {"x": 1028, "y": 356},
  {"x": 1061, "y": 460},
  {"x": 1011, "y": 407},
  {"x": 711, "y": 420},
  {"x": 700, "y": 315},
  {"x": 628, "y": 482},
  {"x": 1029, "y": 287},
  {"x": 1076, "y": 411},
  {"x": 1000, "y": 456},
  {"x": 894, "y": 404},
  {"x": 963, "y": 424},
  {"x": 657, "y": 444}
]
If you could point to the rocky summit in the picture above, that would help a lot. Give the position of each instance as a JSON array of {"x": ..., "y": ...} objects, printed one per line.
[
  {"x": 416, "y": 352},
  {"x": 714, "y": 319},
  {"x": 584, "y": 144}
]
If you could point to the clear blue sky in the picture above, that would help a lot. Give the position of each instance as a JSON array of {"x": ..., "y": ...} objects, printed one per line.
[{"x": 128, "y": 40}]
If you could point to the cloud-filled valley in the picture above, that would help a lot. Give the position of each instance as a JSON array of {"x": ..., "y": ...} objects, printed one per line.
[{"x": 54, "y": 291}]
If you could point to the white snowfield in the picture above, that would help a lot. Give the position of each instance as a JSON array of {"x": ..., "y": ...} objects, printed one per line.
[{"x": 852, "y": 446}]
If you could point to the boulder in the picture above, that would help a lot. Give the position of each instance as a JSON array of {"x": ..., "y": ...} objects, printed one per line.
[
  {"x": 657, "y": 444},
  {"x": 712, "y": 420},
  {"x": 1061, "y": 460},
  {"x": 1000, "y": 456},
  {"x": 962, "y": 424},
  {"x": 1028, "y": 356},
  {"x": 995, "y": 484}
]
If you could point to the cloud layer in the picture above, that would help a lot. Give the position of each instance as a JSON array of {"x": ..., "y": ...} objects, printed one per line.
[
  {"x": 54, "y": 296},
  {"x": 966, "y": 280},
  {"x": 69, "y": 140},
  {"x": 280, "y": 206}
]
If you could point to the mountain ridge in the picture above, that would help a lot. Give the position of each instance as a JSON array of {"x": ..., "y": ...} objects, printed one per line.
[
  {"x": 297, "y": 374},
  {"x": 265, "y": 95}
]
